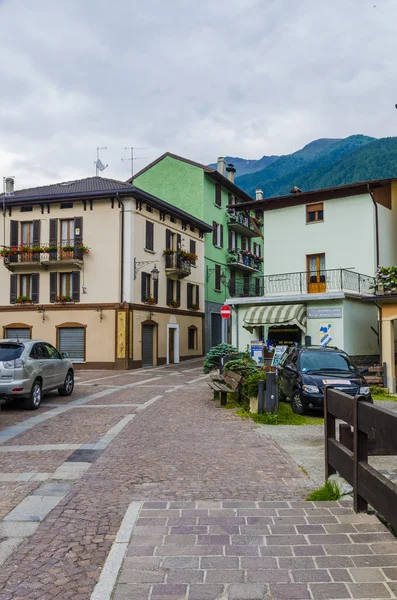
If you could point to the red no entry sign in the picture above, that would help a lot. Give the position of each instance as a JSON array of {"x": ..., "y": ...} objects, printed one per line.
[{"x": 226, "y": 311}]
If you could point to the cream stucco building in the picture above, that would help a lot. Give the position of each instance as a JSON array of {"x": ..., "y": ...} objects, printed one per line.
[{"x": 83, "y": 268}]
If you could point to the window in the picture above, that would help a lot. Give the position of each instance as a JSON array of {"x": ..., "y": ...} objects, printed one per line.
[
  {"x": 232, "y": 240},
  {"x": 72, "y": 341},
  {"x": 217, "y": 234},
  {"x": 173, "y": 293},
  {"x": 193, "y": 296},
  {"x": 192, "y": 338},
  {"x": 149, "y": 289},
  {"x": 52, "y": 352},
  {"x": 218, "y": 194},
  {"x": 245, "y": 243},
  {"x": 67, "y": 232},
  {"x": 149, "y": 243},
  {"x": 25, "y": 286},
  {"x": 259, "y": 214},
  {"x": 39, "y": 352},
  {"x": 192, "y": 248},
  {"x": 232, "y": 198},
  {"x": 149, "y": 208},
  {"x": 316, "y": 274},
  {"x": 66, "y": 284},
  {"x": 66, "y": 205},
  {"x": 192, "y": 229},
  {"x": 27, "y": 233},
  {"x": 315, "y": 212},
  {"x": 172, "y": 219},
  {"x": 217, "y": 278},
  {"x": 18, "y": 333},
  {"x": 26, "y": 209},
  {"x": 257, "y": 249}
]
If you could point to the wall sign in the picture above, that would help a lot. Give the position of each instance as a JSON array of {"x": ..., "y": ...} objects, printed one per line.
[
  {"x": 324, "y": 313},
  {"x": 278, "y": 354},
  {"x": 325, "y": 334}
]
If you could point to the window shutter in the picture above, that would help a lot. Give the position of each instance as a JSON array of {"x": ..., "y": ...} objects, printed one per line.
[
  {"x": 35, "y": 287},
  {"x": 257, "y": 286},
  {"x": 78, "y": 226},
  {"x": 14, "y": 225},
  {"x": 189, "y": 295},
  {"x": 156, "y": 290},
  {"x": 36, "y": 232},
  {"x": 178, "y": 291},
  {"x": 53, "y": 232},
  {"x": 218, "y": 194},
  {"x": 193, "y": 249},
  {"x": 149, "y": 235},
  {"x": 53, "y": 286},
  {"x": 230, "y": 240},
  {"x": 178, "y": 241},
  {"x": 214, "y": 224},
  {"x": 169, "y": 290},
  {"x": 221, "y": 244},
  {"x": 76, "y": 286},
  {"x": 143, "y": 287},
  {"x": 198, "y": 295},
  {"x": 13, "y": 288},
  {"x": 232, "y": 282},
  {"x": 217, "y": 277},
  {"x": 167, "y": 238}
]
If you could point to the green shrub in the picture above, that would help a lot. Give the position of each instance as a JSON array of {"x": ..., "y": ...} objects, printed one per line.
[
  {"x": 328, "y": 492},
  {"x": 250, "y": 387},
  {"x": 213, "y": 357},
  {"x": 242, "y": 365},
  {"x": 266, "y": 418}
]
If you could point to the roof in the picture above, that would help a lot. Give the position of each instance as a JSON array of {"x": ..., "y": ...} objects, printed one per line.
[
  {"x": 89, "y": 184},
  {"x": 340, "y": 191},
  {"x": 210, "y": 171},
  {"x": 99, "y": 187}
]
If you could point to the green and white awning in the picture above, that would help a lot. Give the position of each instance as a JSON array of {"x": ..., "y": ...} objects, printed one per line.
[{"x": 280, "y": 314}]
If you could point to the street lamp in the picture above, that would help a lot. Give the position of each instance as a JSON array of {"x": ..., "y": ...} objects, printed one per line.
[{"x": 138, "y": 265}]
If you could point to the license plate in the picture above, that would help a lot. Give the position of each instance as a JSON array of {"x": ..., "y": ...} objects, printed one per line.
[{"x": 336, "y": 382}]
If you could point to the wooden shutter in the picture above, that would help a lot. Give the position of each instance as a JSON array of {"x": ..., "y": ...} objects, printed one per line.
[
  {"x": 217, "y": 277},
  {"x": 76, "y": 286},
  {"x": 149, "y": 245},
  {"x": 167, "y": 238},
  {"x": 36, "y": 232},
  {"x": 178, "y": 241},
  {"x": 218, "y": 194},
  {"x": 170, "y": 290},
  {"x": 198, "y": 295},
  {"x": 156, "y": 290},
  {"x": 189, "y": 295},
  {"x": 230, "y": 240},
  {"x": 35, "y": 288},
  {"x": 13, "y": 288},
  {"x": 221, "y": 244},
  {"x": 53, "y": 232},
  {"x": 193, "y": 249},
  {"x": 78, "y": 226},
  {"x": 14, "y": 226},
  {"x": 53, "y": 286},
  {"x": 143, "y": 287},
  {"x": 214, "y": 224},
  {"x": 178, "y": 291}
]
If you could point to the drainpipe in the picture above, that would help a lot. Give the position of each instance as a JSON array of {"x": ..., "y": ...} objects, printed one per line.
[
  {"x": 376, "y": 224},
  {"x": 380, "y": 331},
  {"x": 120, "y": 202}
]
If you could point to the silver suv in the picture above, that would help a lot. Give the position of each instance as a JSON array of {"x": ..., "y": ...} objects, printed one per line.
[{"x": 30, "y": 368}]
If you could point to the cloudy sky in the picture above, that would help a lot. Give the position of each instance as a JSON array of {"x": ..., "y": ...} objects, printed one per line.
[{"x": 201, "y": 78}]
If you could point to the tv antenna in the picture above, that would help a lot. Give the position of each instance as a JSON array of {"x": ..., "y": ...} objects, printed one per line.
[
  {"x": 99, "y": 166},
  {"x": 131, "y": 158}
]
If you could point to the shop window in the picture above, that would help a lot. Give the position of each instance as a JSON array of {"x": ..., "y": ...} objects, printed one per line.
[{"x": 315, "y": 212}]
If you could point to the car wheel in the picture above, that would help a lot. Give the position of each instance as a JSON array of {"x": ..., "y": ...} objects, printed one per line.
[
  {"x": 36, "y": 394},
  {"x": 68, "y": 386},
  {"x": 296, "y": 404}
]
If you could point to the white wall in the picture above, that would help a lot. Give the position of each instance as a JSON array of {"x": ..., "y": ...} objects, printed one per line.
[
  {"x": 358, "y": 318},
  {"x": 313, "y": 325},
  {"x": 388, "y": 232},
  {"x": 346, "y": 236}
]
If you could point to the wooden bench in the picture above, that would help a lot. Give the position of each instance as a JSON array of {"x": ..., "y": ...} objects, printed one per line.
[
  {"x": 225, "y": 384},
  {"x": 375, "y": 375}
]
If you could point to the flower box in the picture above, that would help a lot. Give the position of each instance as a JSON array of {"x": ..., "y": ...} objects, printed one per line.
[
  {"x": 174, "y": 304},
  {"x": 23, "y": 300}
]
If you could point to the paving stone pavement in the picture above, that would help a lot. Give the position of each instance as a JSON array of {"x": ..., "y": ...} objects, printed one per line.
[{"x": 206, "y": 479}]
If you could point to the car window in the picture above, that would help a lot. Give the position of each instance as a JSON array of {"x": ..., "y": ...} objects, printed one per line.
[
  {"x": 325, "y": 361},
  {"x": 11, "y": 351},
  {"x": 52, "y": 352},
  {"x": 40, "y": 352}
]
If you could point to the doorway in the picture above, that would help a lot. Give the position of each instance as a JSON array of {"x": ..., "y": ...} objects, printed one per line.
[
  {"x": 316, "y": 273},
  {"x": 172, "y": 344},
  {"x": 147, "y": 345}
]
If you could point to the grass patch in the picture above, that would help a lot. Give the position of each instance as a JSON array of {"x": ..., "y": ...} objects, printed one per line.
[
  {"x": 285, "y": 416},
  {"x": 379, "y": 393},
  {"x": 328, "y": 492}
]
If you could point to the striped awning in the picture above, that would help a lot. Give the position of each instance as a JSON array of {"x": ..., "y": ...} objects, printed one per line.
[{"x": 276, "y": 314}]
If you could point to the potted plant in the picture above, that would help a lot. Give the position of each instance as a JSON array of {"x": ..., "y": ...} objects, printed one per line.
[
  {"x": 194, "y": 306},
  {"x": 231, "y": 258},
  {"x": 174, "y": 304},
  {"x": 23, "y": 300},
  {"x": 168, "y": 252},
  {"x": 61, "y": 299},
  {"x": 50, "y": 249},
  {"x": 150, "y": 300},
  {"x": 84, "y": 249},
  {"x": 67, "y": 248}
]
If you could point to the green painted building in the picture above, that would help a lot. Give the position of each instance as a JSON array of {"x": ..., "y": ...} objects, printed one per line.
[{"x": 234, "y": 250}]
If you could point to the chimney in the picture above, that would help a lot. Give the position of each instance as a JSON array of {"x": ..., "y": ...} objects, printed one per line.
[
  {"x": 222, "y": 166},
  {"x": 9, "y": 186},
  {"x": 258, "y": 195},
  {"x": 230, "y": 172}
]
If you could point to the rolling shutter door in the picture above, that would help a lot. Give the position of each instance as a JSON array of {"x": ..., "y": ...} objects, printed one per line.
[
  {"x": 20, "y": 334},
  {"x": 147, "y": 345},
  {"x": 71, "y": 340}
]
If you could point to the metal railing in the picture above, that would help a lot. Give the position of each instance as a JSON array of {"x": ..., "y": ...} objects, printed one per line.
[
  {"x": 237, "y": 258},
  {"x": 33, "y": 253},
  {"x": 178, "y": 263},
  {"x": 330, "y": 280}
]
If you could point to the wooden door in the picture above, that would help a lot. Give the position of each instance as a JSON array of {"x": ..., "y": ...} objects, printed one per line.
[
  {"x": 316, "y": 283},
  {"x": 171, "y": 345}
]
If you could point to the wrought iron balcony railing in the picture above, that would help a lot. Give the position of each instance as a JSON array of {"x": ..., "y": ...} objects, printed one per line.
[
  {"x": 331, "y": 280},
  {"x": 176, "y": 266},
  {"x": 43, "y": 255}
]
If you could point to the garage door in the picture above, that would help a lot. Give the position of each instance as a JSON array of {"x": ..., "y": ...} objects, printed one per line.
[
  {"x": 18, "y": 334},
  {"x": 71, "y": 340}
]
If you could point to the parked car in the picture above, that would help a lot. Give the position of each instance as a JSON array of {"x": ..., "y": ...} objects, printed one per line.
[
  {"x": 29, "y": 368},
  {"x": 304, "y": 372}
]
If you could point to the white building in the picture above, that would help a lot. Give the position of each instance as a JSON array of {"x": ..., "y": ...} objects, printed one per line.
[{"x": 321, "y": 252}]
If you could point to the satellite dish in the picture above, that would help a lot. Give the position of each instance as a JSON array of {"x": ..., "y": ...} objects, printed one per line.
[{"x": 100, "y": 165}]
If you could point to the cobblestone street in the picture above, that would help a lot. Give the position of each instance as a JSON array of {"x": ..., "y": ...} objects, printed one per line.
[{"x": 214, "y": 508}]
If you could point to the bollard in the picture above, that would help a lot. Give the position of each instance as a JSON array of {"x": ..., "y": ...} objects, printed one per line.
[
  {"x": 271, "y": 392},
  {"x": 261, "y": 397}
]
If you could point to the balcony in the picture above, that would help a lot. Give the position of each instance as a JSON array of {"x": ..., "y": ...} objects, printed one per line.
[
  {"x": 36, "y": 257},
  {"x": 242, "y": 224},
  {"x": 289, "y": 284},
  {"x": 240, "y": 260},
  {"x": 176, "y": 266}
]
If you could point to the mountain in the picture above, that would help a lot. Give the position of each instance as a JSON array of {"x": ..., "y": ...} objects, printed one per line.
[
  {"x": 309, "y": 167},
  {"x": 244, "y": 166}
]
